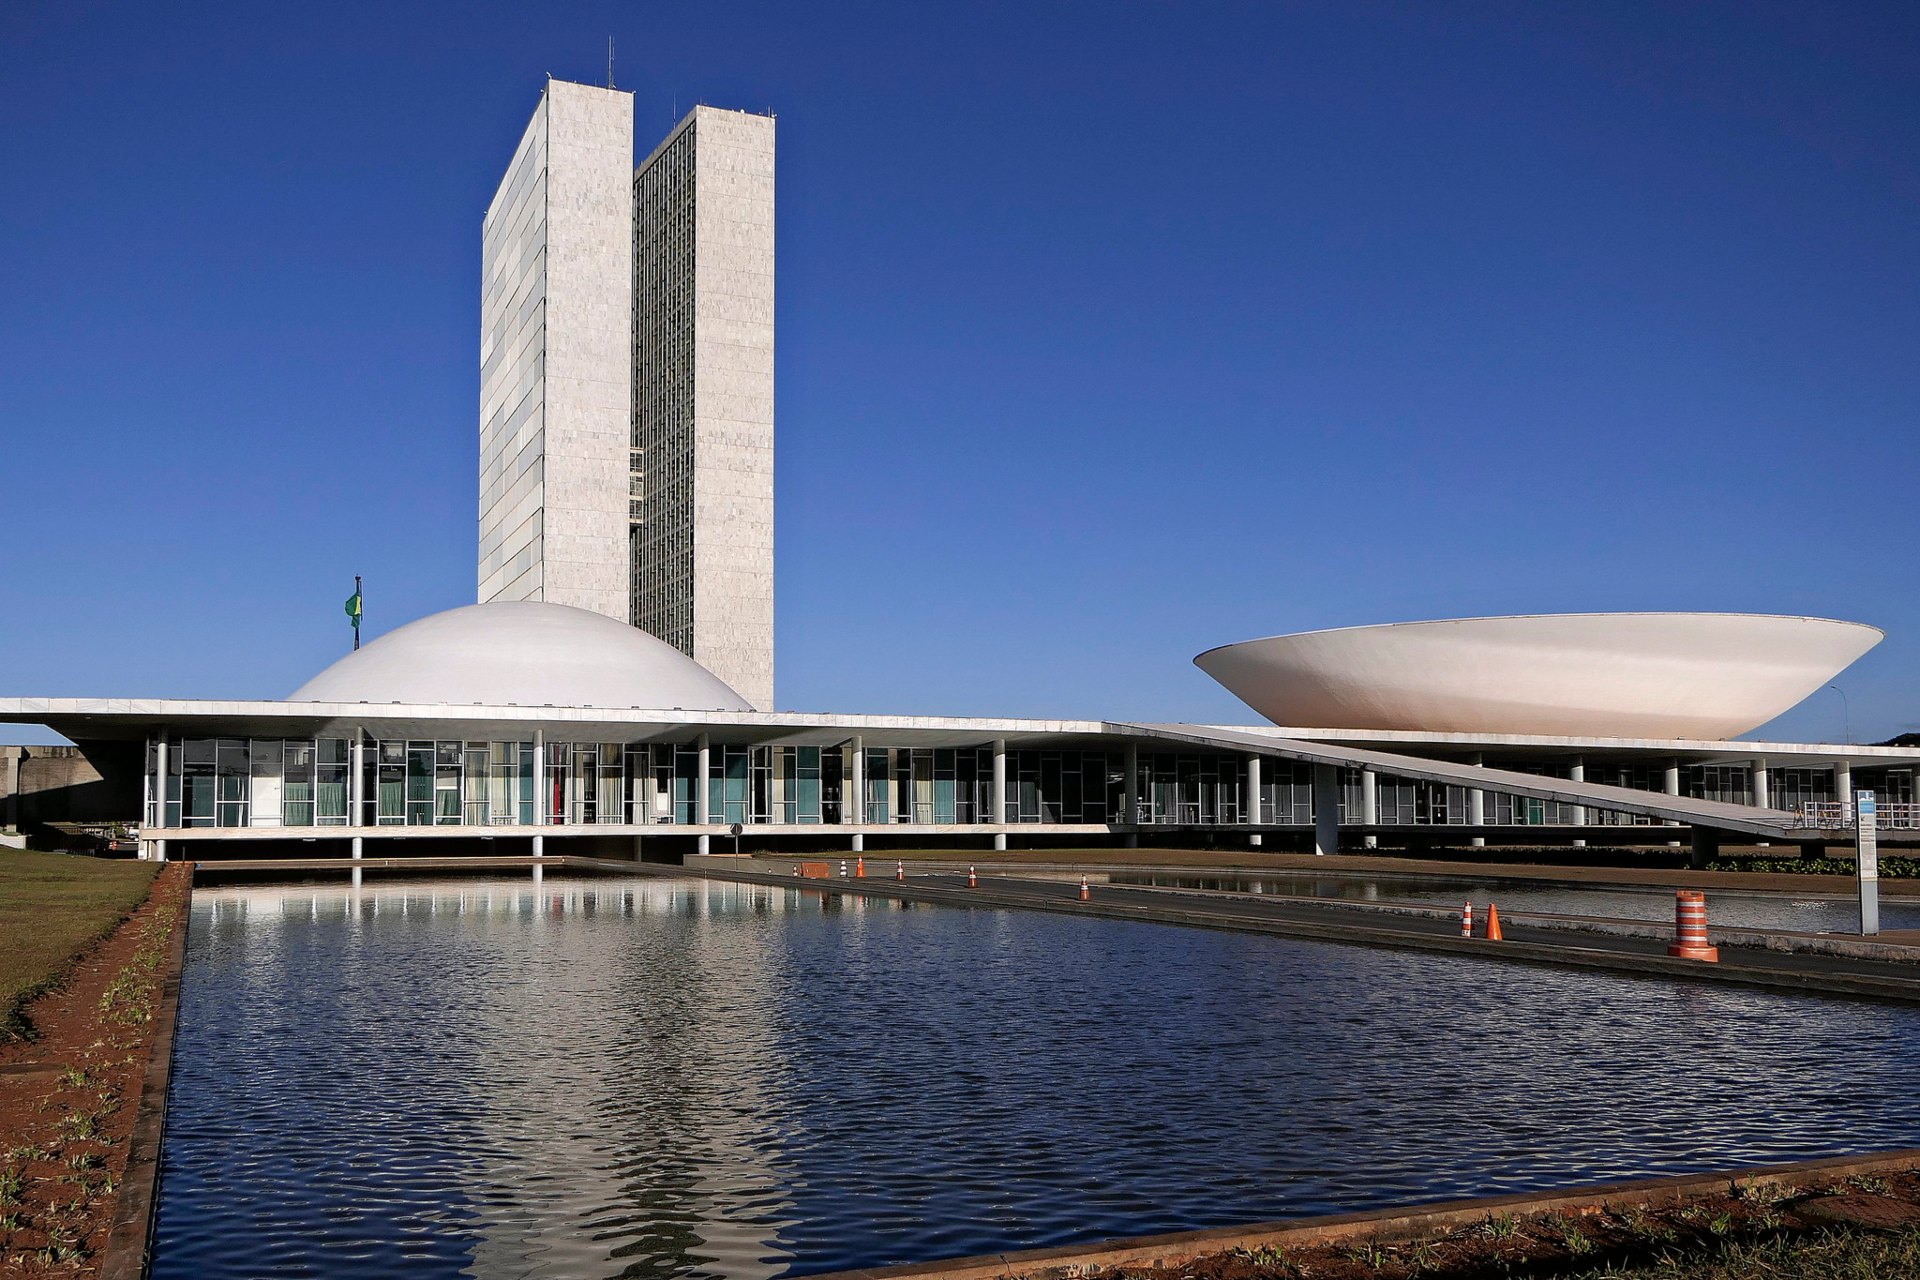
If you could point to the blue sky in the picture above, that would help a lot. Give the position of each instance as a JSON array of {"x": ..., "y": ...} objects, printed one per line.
[{"x": 1107, "y": 333}]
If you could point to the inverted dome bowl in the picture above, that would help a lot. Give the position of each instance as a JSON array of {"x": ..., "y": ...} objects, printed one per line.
[
  {"x": 1615, "y": 675},
  {"x": 523, "y": 652}
]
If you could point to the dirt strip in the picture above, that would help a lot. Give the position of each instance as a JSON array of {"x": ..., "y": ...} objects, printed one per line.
[
  {"x": 1505, "y": 1235},
  {"x": 79, "y": 1135},
  {"x": 129, "y": 1246}
]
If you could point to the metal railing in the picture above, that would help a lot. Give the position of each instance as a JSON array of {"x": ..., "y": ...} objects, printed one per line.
[{"x": 1831, "y": 814}]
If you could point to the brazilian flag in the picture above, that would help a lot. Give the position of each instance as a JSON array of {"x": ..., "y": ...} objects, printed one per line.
[{"x": 353, "y": 609}]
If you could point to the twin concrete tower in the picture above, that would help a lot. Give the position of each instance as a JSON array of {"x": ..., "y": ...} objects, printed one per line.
[{"x": 626, "y": 378}]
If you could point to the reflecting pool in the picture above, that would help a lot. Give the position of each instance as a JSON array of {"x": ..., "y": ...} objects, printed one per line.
[{"x": 669, "y": 1078}]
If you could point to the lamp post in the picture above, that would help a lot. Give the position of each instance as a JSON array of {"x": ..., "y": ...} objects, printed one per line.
[{"x": 1846, "y": 711}]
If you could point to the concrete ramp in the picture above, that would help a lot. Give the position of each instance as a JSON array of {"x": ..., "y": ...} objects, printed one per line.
[{"x": 1712, "y": 815}]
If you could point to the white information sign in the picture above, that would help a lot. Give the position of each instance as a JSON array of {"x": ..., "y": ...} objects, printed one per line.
[{"x": 1866, "y": 850}]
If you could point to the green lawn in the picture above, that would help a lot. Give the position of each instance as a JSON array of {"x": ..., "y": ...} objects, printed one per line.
[
  {"x": 51, "y": 907},
  {"x": 1835, "y": 1254}
]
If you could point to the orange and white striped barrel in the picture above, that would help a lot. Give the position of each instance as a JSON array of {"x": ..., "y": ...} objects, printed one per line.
[
  {"x": 973, "y": 878},
  {"x": 1084, "y": 894},
  {"x": 1690, "y": 928},
  {"x": 1466, "y": 920}
]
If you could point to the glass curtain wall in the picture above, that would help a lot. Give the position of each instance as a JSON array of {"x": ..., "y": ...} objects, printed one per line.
[
  {"x": 253, "y": 782},
  {"x": 1640, "y": 777},
  {"x": 1191, "y": 789},
  {"x": 273, "y": 782},
  {"x": 1731, "y": 783},
  {"x": 930, "y": 785},
  {"x": 1522, "y": 811}
]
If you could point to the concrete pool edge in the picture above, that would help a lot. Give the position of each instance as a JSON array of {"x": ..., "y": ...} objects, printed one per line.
[
  {"x": 1240, "y": 862},
  {"x": 1390, "y": 1225},
  {"x": 1747, "y": 968},
  {"x": 129, "y": 1246},
  {"x": 1847, "y": 946}
]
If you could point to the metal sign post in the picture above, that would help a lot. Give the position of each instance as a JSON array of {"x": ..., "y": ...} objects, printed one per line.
[{"x": 1866, "y": 860}]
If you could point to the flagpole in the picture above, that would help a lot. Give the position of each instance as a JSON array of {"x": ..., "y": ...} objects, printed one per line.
[{"x": 356, "y": 621}]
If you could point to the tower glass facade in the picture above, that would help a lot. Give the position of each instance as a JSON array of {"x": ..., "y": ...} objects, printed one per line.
[
  {"x": 660, "y": 494},
  {"x": 700, "y": 477}
]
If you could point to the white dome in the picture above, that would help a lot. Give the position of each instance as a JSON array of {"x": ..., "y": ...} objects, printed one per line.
[
  {"x": 526, "y": 653},
  {"x": 1631, "y": 675}
]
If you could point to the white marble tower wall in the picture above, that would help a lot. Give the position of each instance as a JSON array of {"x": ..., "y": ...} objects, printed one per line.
[
  {"x": 556, "y": 358},
  {"x": 513, "y": 314},
  {"x": 733, "y": 400}
]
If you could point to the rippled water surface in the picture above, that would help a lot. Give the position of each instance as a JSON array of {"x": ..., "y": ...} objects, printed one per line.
[
  {"x": 1809, "y": 913},
  {"x": 654, "y": 1078}
]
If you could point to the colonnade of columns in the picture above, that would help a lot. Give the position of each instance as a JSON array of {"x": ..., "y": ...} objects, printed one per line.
[{"x": 1325, "y": 784}]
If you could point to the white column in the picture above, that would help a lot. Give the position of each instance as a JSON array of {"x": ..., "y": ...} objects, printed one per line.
[
  {"x": 1000, "y": 790},
  {"x": 356, "y": 862},
  {"x": 1477, "y": 803},
  {"x": 539, "y": 780},
  {"x": 160, "y": 784},
  {"x": 703, "y": 780},
  {"x": 1673, "y": 789},
  {"x": 159, "y": 850},
  {"x": 1253, "y": 798},
  {"x": 855, "y": 810},
  {"x": 356, "y": 784},
  {"x": 1762, "y": 791},
  {"x": 1578, "y": 773},
  {"x": 1369, "y": 806},
  {"x": 539, "y": 852},
  {"x": 702, "y": 784},
  {"x": 1843, "y": 785},
  {"x": 1326, "y": 809},
  {"x": 146, "y": 800},
  {"x": 1130, "y": 797}
]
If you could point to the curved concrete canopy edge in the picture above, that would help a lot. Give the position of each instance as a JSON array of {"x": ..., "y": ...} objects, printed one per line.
[{"x": 1644, "y": 675}]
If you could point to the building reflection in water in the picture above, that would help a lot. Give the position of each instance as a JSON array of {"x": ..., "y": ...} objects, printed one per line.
[
  {"x": 622, "y": 1081},
  {"x": 651, "y": 1078}
]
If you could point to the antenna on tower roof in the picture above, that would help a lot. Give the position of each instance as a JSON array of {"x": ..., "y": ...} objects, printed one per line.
[{"x": 609, "y": 62}]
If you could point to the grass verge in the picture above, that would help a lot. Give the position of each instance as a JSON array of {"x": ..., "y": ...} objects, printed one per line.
[
  {"x": 1867, "y": 1225},
  {"x": 1834, "y": 1254},
  {"x": 52, "y": 907}
]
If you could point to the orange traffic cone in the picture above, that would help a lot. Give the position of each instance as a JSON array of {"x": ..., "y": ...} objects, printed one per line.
[
  {"x": 973, "y": 878},
  {"x": 899, "y": 871},
  {"x": 860, "y": 869},
  {"x": 1690, "y": 928},
  {"x": 1084, "y": 895},
  {"x": 1493, "y": 924}
]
